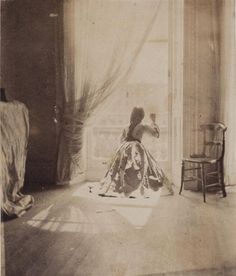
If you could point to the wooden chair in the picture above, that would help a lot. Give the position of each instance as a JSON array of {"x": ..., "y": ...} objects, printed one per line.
[{"x": 208, "y": 166}]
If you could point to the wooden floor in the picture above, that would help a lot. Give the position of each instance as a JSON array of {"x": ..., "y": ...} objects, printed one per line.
[{"x": 69, "y": 233}]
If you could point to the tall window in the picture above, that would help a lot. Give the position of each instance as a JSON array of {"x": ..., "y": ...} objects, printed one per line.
[{"x": 147, "y": 86}]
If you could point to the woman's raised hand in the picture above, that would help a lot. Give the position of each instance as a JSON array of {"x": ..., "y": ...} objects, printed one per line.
[{"x": 153, "y": 117}]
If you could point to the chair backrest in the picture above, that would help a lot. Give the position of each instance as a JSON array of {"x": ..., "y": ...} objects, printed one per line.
[{"x": 214, "y": 140}]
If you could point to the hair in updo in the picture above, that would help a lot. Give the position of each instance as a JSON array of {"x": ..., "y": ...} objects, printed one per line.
[
  {"x": 137, "y": 115},
  {"x": 136, "y": 118}
]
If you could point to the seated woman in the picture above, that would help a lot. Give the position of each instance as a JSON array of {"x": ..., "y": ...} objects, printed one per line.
[{"x": 133, "y": 170}]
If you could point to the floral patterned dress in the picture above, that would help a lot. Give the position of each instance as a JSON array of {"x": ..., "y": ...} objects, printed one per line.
[{"x": 133, "y": 169}]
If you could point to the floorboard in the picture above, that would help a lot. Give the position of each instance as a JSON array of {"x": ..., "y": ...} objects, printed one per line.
[{"x": 73, "y": 232}]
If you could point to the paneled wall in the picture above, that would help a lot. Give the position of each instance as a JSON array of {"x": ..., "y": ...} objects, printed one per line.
[
  {"x": 228, "y": 84},
  {"x": 209, "y": 74},
  {"x": 28, "y": 72},
  {"x": 201, "y": 69}
]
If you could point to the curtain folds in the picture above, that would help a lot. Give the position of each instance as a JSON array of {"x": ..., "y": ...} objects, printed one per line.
[
  {"x": 14, "y": 126},
  {"x": 102, "y": 40}
]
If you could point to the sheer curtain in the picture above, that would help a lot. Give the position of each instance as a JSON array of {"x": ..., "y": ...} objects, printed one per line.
[{"x": 102, "y": 40}]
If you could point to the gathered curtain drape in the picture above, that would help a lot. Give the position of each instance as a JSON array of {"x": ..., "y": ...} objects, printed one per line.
[
  {"x": 102, "y": 40},
  {"x": 14, "y": 127}
]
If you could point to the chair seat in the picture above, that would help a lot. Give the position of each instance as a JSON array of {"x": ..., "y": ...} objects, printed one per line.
[{"x": 201, "y": 160}]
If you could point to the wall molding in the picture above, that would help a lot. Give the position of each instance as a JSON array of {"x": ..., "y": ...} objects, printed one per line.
[{"x": 176, "y": 46}]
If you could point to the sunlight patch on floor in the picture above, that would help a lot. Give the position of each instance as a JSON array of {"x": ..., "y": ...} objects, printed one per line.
[
  {"x": 137, "y": 216},
  {"x": 70, "y": 219},
  {"x": 135, "y": 210},
  {"x": 109, "y": 216}
]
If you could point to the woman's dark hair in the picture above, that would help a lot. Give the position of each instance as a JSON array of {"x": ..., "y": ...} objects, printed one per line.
[
  {"x": 136, "y": 118},
  {"x": 137, "y": 115}
]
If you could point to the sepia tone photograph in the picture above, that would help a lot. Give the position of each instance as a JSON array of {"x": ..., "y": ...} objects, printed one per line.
[{"x": 118, "y": 137}]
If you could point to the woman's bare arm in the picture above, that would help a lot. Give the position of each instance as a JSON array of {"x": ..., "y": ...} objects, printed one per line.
[
  {"x": 149, "y": 129},
  {"x": 152, "y": 129}
]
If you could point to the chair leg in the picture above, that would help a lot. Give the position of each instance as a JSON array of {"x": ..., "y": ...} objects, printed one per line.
[
  {"x": 182, "y": 177},
  {"x": 203, "y": 177},
  {"x": 221, "y": 178}
]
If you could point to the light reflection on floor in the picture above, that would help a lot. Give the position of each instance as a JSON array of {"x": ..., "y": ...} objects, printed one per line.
[
  {"x": 71, "y": 219},
  {"x": 134, "y": 212}
]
